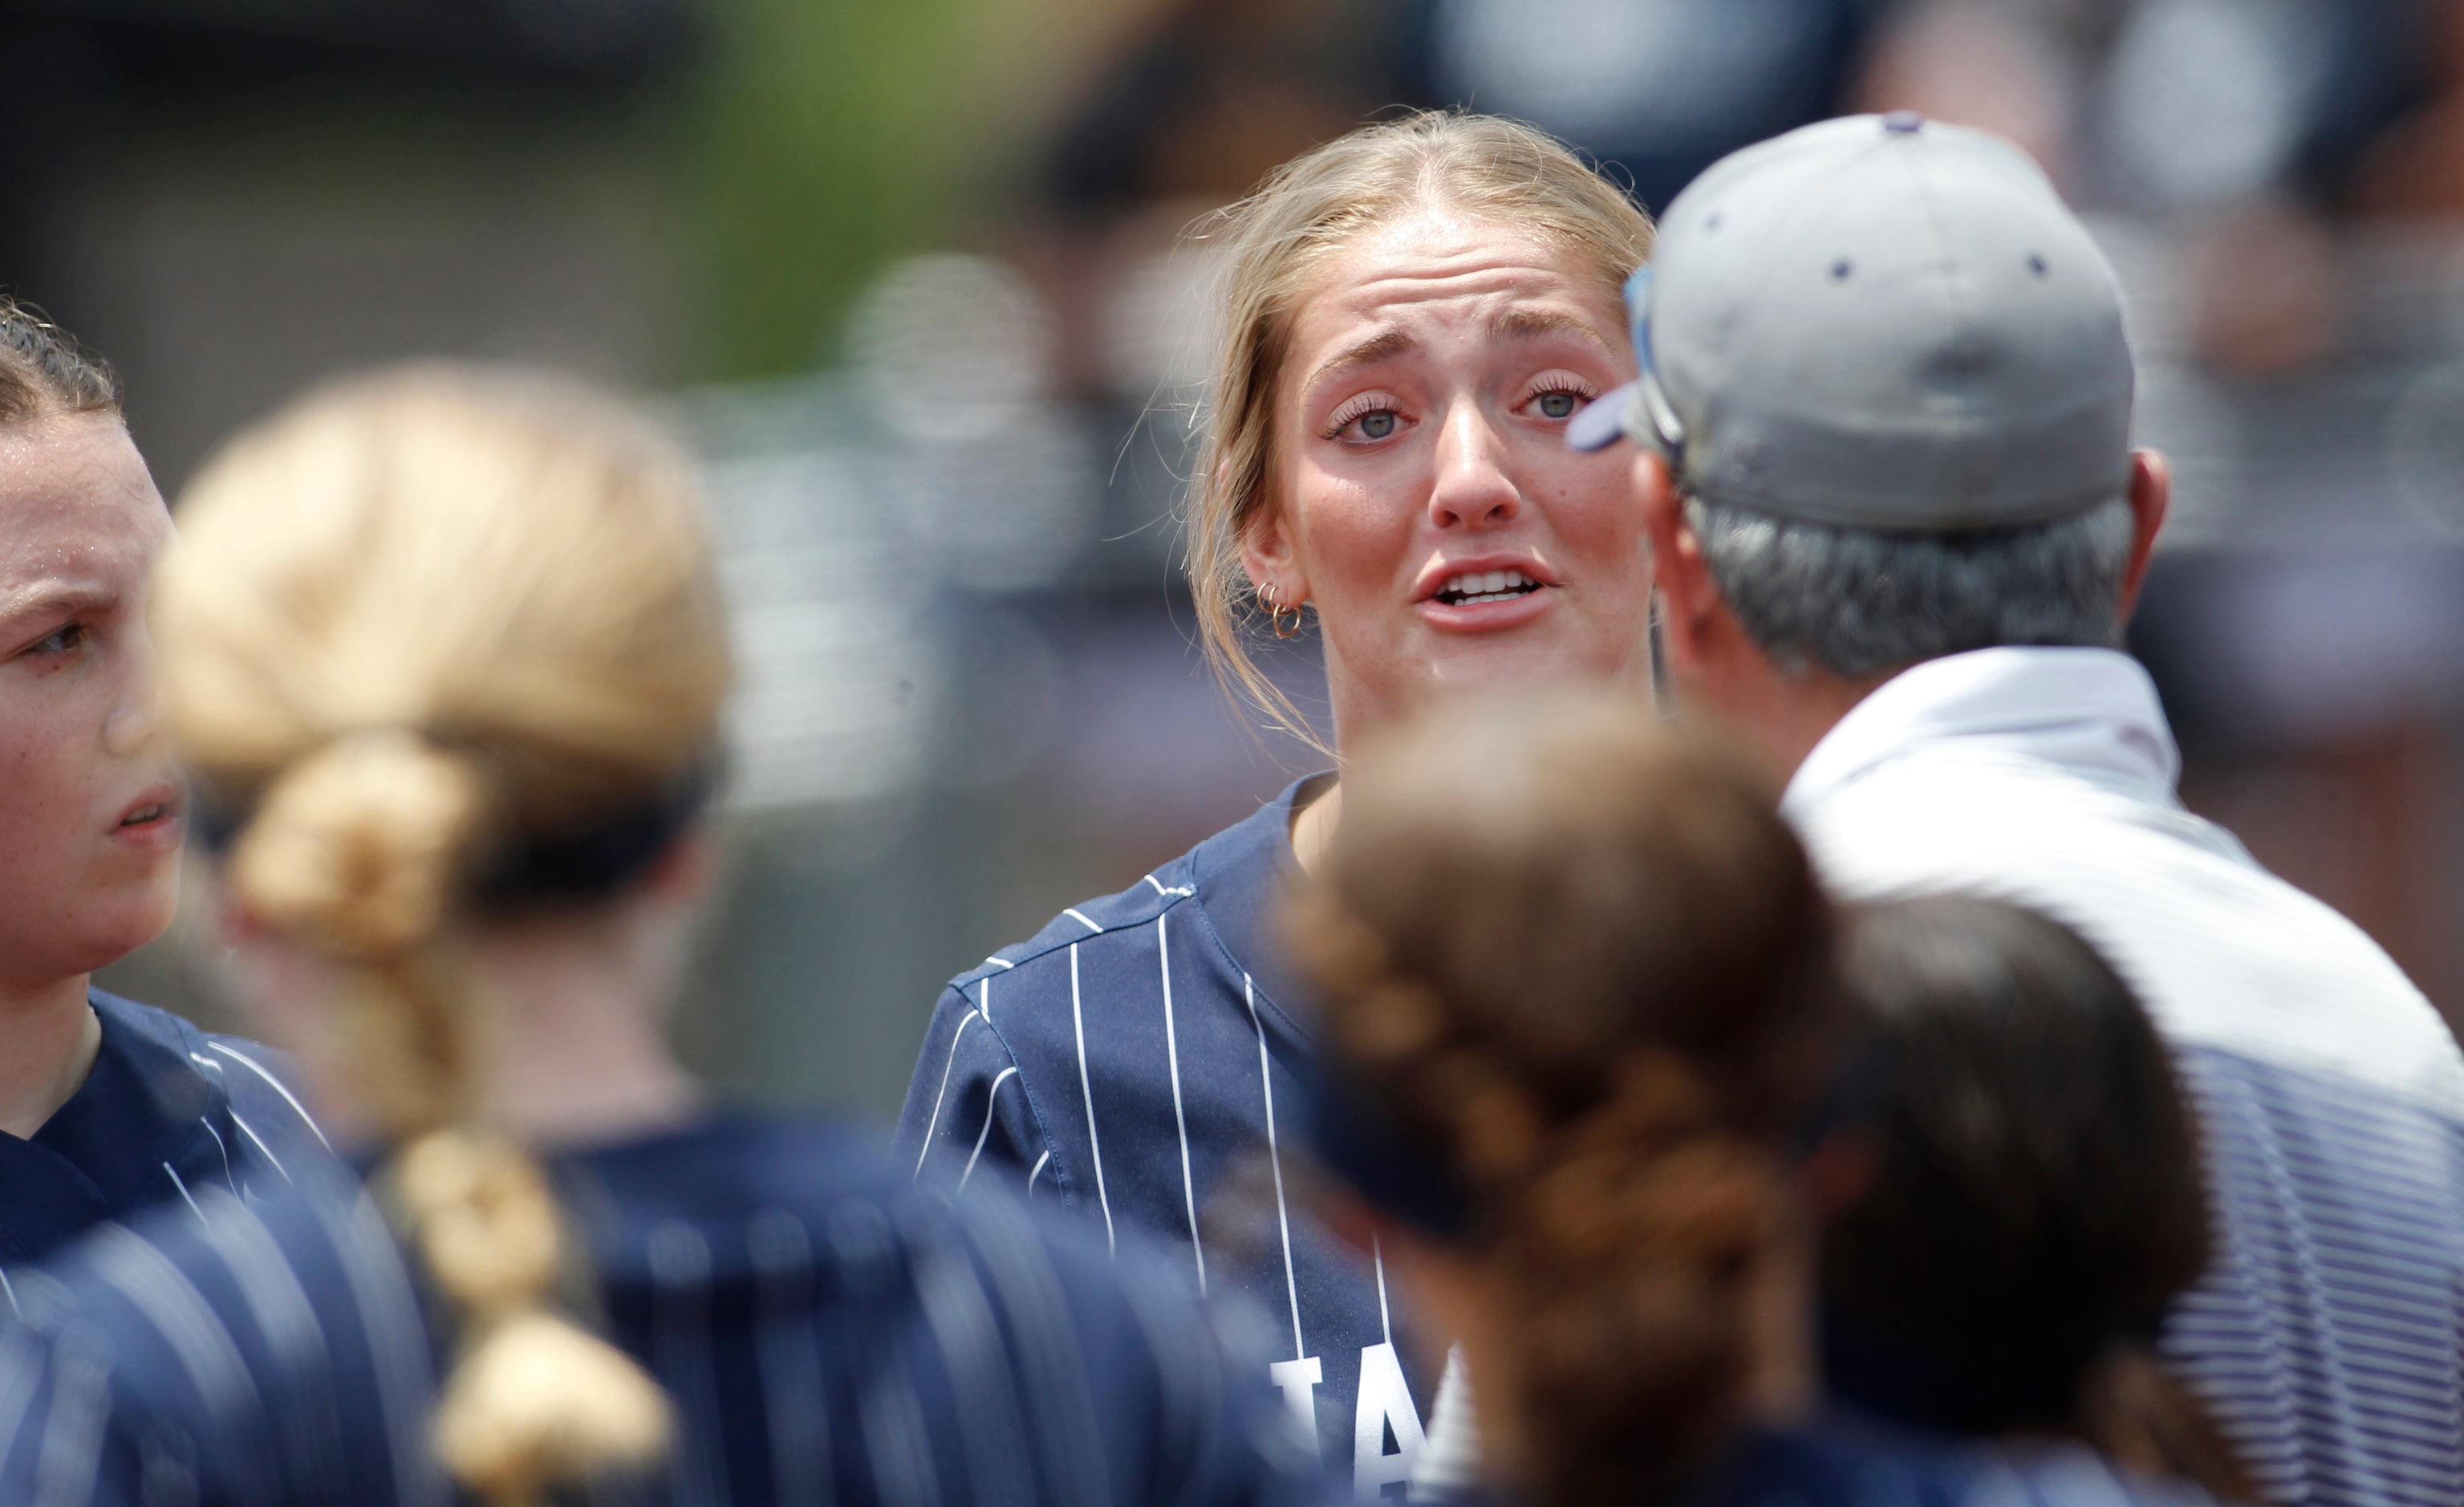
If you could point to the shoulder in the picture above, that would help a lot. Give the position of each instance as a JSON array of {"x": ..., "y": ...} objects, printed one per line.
[
  {"x": 249, "y": 1080},
  {"x": 1226, "y": 867},
  {"x": 1047, "y": 950},
  {"x": 228, "y": 1306},
  {"x": 249, "y": 1070},
  {"x": 1865, "y": 1463},
  {"x": 2223, "y": 953},
  {"x": 740, "y": 1202},
  {"x": 725, "y": 1173}
]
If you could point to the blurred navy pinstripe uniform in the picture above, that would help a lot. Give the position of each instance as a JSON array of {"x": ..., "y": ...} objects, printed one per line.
[
  {"x": 1854, "y": 1462},
  {"x": 1135, "y": 1062},
  {"x": 166, "y": 1112},
  {"x": 828, "y": 1332}
]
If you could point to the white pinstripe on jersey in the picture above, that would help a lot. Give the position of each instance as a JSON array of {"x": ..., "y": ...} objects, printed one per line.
[
  {"x": 1275, "y": 1160},
  {"x": 991, "y": 1099},
  {"x": 288, "y": 1098},
  {"x": 1078, "y": 1024},
  {"x": 939, "y": 1098},
  {"x": 1179, "y": 1118}
]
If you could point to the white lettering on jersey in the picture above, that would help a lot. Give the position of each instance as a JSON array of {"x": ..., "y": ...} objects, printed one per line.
[
  {"x": 1299, "y": 1381},
  {"x": 1385, "y": 1405}
]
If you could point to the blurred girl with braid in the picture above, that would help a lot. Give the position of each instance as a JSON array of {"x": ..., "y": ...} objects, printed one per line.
[
  {"x": 446, "y": 660},
  {"x": 1584, "y": 1019}
]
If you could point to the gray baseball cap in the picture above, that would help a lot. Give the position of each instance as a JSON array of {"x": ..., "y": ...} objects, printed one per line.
[{"x": 1879, "y": 321}]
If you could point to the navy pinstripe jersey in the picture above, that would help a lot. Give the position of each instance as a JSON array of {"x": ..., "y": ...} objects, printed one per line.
[
  {"x": 1135, "y": 1062},
  {"x": 828, "y": 1333},
  {"x": 166, "y": 1111},
  {"x": 1850, "y": 1461}
]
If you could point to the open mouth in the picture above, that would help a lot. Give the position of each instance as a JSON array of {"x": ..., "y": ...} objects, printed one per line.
[
  {"x": 1475, "y": 587},
  {"x": 150, "y": 811}
]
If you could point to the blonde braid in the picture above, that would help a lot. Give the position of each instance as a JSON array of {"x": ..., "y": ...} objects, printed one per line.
[{"x": 414, "y": 621}]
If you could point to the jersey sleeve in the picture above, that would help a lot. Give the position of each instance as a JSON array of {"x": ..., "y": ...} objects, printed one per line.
[{"x": 968, "y": 1113}]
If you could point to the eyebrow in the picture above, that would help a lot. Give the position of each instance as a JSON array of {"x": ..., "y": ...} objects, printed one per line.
[
  {"x": 1510, "y": 324},
  {"x": 1532, "y": 323},
  {"x": 47, "y": 599},
  {"x": 1376, "y": 348}
]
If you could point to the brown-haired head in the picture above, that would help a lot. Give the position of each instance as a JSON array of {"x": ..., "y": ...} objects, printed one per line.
[
  {"x": 43, "y": 370},
  {"x": 423, "y": 628},
  {"x": 1580, "y": 963},
  {"x": 1279, "y": 238}
]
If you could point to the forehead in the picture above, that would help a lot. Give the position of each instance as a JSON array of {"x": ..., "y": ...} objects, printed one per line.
[
  {"x": 1435, "y": 268},
  {"x": 75, "y": 500}
]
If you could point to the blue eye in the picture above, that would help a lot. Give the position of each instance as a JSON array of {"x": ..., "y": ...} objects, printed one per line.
[
  {"x": 62, "y": 642},
  {"x": 1376, "y": 424},
  {"x": 1557, "y": 405}
]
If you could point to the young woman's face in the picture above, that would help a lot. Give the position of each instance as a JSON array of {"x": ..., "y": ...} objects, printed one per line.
[
  {"x": 1423, "y": 498},
  {"x": 90, "y": 809}
]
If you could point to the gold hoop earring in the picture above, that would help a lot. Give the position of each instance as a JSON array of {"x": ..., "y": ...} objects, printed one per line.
[{"x": 1272, "y": 601}]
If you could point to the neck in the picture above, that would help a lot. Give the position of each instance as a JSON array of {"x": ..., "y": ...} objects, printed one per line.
[
  {"x": 53, "y": 1037},
  {"x": 1783, "y": 1378},
  {"x": 1780, "y": 717},
  {"x": 1313, "y": 826},
  {"x": 581, "y": 1051}
]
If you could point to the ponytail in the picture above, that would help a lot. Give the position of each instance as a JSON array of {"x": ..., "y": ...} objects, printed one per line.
[
  {"x": 358, "y": 849},
  {"x": 355, "y": 851},
  {"x": 532, "y": 1399},
  {"x": 1631, "y": 1245}
]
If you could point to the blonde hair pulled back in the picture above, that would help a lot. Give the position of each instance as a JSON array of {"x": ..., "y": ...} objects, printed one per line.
[
  {"x": 1278, "y": 242},
  {"x": 417, "y": 623}
]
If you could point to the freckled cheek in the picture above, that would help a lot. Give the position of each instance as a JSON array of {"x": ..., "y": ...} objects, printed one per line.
[
  {"x": 1595, "y": 513},
  {"x": 1356, "y": 537},
  {"x": 48, "y": 790}
]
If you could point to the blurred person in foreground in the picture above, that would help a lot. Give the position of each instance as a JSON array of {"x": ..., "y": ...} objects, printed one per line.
[
  {"x": 1583, "y": 1020},
  {"x": 2034, "y": 1202},
  {"x": 1413, "y": 312},
  {"x": 446, "y": 657},
  {"x": 1884, "y": 422},
  {"x": 105, "y": 1105}
]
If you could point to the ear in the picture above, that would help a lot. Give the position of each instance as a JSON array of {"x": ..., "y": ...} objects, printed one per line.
[
  {"x": 2151, "y": 494},
  {"x": 1689, "y": 597},
  {"x": 1841, "y": 1172},
  {"x": 1269, "y": 555},
  {"x": 684, "y": 874}
]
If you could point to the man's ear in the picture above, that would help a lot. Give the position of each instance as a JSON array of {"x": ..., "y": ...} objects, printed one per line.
[
  {"x": 2151, "y": 494},
  {"x": 1688, "y": 595}
]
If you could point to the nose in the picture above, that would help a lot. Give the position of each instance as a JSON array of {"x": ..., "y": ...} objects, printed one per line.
[{"x": 1473, "y": 490}]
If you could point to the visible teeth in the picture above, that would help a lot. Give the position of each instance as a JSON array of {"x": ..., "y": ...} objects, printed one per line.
[
  {"x": 143, "y": 814},
  {"x": 1487, "y": 586}
]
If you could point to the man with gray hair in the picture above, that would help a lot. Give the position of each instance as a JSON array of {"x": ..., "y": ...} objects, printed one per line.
[{"x": 1883, "y": 428}]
